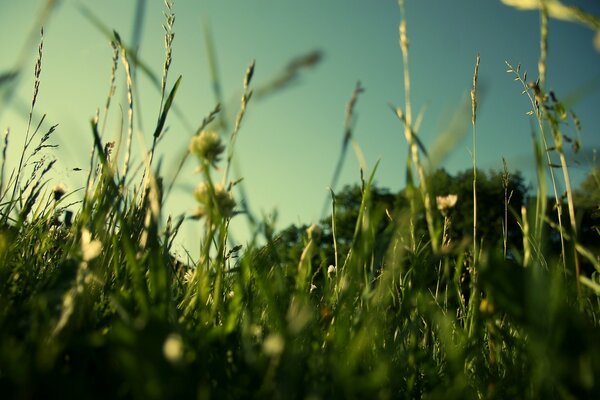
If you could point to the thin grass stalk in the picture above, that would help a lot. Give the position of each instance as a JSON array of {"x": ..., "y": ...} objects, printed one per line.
[
  {"x": 169, "y": 36},
  {"x": 414, "y": 145},
  {"x": 125, "y": 61},
  {"x": 28, "y": 139},
  {"x": 543, "y": 43},
  {"x": 348, "y": 120},
  {"x": 366, "y": 193},
  {"x": 537, "y": 99},
  {"x": 112, "y": 86},
  {"x": 539, "y": 87},
  {"x": 334, "y": 229},
  {"x": 526, "y": 238},
  {"x": 507, "y": 197},
  {"x": 410, "y": 135},
  {"x": 408, "y": 106},
  {"x": 557, "y": 138},
  {"x": 542, "y": 195},
  {"x": 573, "y": 220},
  {"x": 404, "y": 49},
  {"x": 204, "y": 262},
  {"x": 111, "y": 91},
  {"x": 246, "y": 96},
  {"x": 474, "y": 125},
  {"x": 569, "y": 192},
  {"x": 474, "y": 299},
  {"x": 3, "y": 167},
  {"x": 219, "y": 262}
]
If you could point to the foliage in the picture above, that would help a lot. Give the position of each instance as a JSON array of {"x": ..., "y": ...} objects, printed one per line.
[{"x": 388, "y": 298}]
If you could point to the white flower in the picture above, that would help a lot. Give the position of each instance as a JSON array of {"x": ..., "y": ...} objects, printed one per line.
[
  {"x": 313, "y": 287},
  {"x": 331, "y": 270},
  {"x": 445, "y": 203},
  {"x": 90, "y": 249}
]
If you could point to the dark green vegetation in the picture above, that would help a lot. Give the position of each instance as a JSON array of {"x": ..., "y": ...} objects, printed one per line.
[{"x": 492, "y": 294}]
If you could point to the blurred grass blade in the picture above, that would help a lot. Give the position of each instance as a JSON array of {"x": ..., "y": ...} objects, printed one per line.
[
  {"x": 7, "y": 78},
  {"x": 136, "y": 36},
  {"x": 213, "y": 69},
  {"x": 166, "y": 108},
  {"x": 590, "y": 284},
  {"x": 558, "y": 10}
]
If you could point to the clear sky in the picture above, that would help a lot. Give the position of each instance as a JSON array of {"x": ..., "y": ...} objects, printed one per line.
[{"x": 290, "y": 141}]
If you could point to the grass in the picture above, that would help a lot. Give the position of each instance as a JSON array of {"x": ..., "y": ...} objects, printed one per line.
[{"x": 95, "y": 305}]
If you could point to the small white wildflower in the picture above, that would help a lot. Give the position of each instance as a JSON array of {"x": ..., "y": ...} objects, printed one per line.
[
  {"x": 173, "y": 348},
  {"x": 273, "y": 345},
  {"x": 313, "y": 287},
  {"x": 331, "y": 270},
  {"x": 445, "y": 203},
  {"x": 90, "y": 249}
]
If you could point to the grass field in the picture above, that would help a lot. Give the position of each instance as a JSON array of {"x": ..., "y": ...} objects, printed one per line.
[{"x": 93, "y": 303}]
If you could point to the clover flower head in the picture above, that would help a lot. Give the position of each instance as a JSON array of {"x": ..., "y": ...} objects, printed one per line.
[
  {"x": 207, "y": 146},
  {"x": 221, "y": 200}
]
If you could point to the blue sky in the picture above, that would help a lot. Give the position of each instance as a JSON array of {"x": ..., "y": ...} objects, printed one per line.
[{"x": 290, "y": 141}]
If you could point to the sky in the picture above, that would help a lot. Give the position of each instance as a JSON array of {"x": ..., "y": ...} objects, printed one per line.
[{"x": 290, "y": 141}]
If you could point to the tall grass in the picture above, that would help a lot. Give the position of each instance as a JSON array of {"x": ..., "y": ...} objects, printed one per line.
[{"x": 96, "y": 305}]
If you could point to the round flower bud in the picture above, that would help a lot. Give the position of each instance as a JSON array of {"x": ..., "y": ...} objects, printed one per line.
[
  {"x": 222, "y": 201},
  {"x": 207, "y": 146}
]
